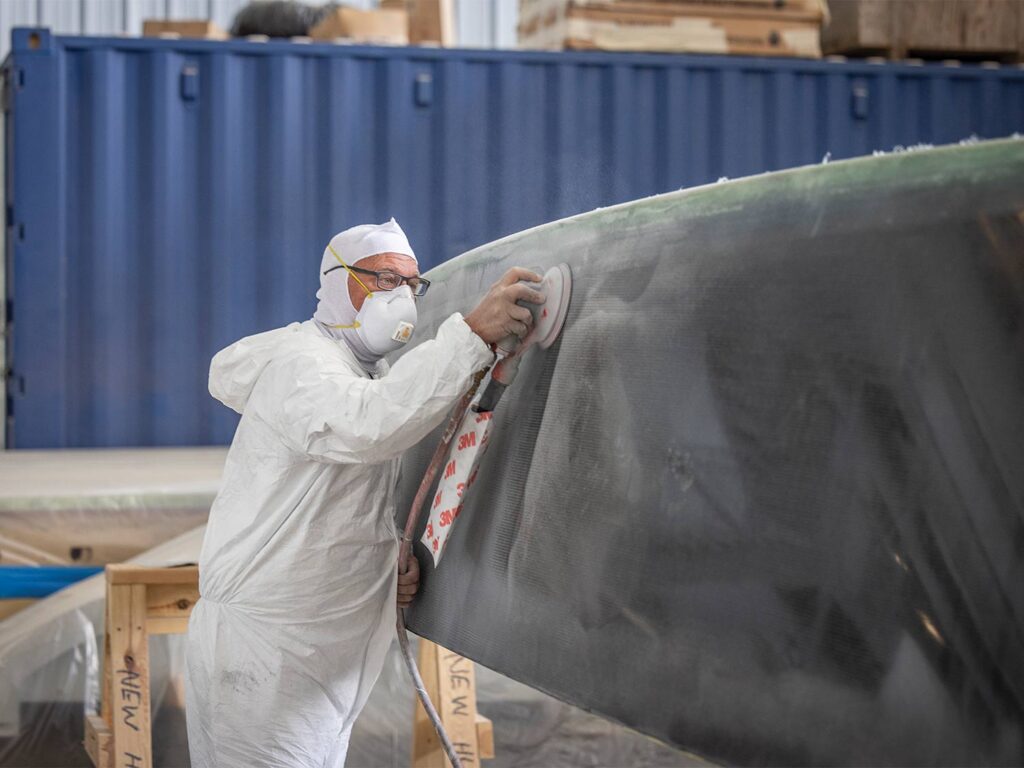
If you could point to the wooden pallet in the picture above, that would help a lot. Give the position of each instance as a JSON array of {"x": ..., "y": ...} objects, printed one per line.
[
  {"x": 11, "y": 606},
  {"x": 927, "y": 29},
  {"x": 747, "y": 27}
]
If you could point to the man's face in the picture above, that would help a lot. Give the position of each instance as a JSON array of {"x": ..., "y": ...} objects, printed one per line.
[{"x": 394, "y": 262}]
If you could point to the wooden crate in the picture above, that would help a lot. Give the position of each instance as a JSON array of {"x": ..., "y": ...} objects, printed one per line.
[
  {"x": 934, "y": 29},
  {"x": 746, "y": 27}
]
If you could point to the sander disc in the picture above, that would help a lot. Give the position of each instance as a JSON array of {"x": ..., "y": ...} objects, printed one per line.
[{"x": 557, "y": 287}]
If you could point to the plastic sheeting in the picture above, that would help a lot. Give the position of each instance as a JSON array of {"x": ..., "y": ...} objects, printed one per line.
[
  {"x": 764, "y": 499},
  {"x": 50, "y": 673},
  {"x": 101, "y": 506},
  {"x": 50, "y": 678},
  {"x": 531, "y": 729}
]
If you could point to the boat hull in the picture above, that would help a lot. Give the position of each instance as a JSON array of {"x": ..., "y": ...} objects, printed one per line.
[{"x": 763, "y": 500}]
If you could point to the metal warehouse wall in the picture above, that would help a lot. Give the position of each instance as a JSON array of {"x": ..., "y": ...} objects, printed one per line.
[{"x": 168, "y": 197}]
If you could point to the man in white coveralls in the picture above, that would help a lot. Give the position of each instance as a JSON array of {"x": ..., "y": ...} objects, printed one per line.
[{"x": 298, "y": 571}]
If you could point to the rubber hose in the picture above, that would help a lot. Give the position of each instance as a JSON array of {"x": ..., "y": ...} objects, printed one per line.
[{"x": 403, "y": 558}]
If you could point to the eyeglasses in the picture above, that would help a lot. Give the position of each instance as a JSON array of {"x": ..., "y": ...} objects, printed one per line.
[{"x": 388, "y": 280}]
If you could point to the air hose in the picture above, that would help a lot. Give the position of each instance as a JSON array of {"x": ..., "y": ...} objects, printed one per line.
[
  {"x": 556, "y": 286},
  {"x": 403, "y": 560}
]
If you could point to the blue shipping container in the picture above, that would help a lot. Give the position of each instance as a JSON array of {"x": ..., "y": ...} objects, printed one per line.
[{"x": 166, "y": 197}]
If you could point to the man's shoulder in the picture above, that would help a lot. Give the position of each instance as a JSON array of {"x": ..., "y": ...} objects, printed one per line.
[{"x": 307, "y": 345}]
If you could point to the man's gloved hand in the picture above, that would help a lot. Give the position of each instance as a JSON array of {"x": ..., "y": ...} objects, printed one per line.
[
  {"x": 497, "y": 315},
  {"x": 408, "y": 582}
]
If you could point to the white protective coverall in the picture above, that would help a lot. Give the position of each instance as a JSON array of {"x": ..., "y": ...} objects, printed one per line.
[{"x": 298, "y": 570}]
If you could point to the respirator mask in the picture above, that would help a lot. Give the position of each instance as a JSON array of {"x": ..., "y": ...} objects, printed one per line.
[{"x": 386, "y": 320}]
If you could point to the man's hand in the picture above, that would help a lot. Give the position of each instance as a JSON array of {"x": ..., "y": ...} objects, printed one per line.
[
  {"x": 408, "y": 582},
  {"x": 497, "y": 315}
]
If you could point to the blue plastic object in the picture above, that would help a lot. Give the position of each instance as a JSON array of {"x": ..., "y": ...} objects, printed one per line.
[
  {"x": 167, "y": 197},
  {"x": 17, "y": 581}
]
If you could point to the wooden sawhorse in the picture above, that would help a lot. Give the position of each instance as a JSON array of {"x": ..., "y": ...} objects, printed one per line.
[
  {"x": 140, "y": 602},
  {"x": 450, "y": 680},
  {"x": 158, "y": 601}
]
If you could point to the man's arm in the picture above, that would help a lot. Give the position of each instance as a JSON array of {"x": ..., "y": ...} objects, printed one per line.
[{"x": 329, "y": 413}]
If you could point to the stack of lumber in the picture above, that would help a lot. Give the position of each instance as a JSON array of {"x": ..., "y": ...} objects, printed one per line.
[
  {"x": 746, "y": 27},
  {"x": 928, "y": 29}
]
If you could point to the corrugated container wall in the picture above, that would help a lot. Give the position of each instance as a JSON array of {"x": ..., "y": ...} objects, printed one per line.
[
  {"x": 169, "y": 197},
  {"x": 478, "y": 24}
]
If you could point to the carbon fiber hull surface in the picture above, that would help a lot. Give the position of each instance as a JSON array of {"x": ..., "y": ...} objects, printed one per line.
[{"x": 764, "y": 498}]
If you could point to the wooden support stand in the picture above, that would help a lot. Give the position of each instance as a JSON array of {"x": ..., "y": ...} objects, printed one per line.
[
  {"x": 140, "y": 602},
  {"x": 451, "y": 682},
  {"x": 158, "y": 601}
]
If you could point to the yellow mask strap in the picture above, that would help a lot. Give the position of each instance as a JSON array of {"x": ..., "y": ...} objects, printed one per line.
[
  {"x": 361, "y": 284},
  {"x": 368, "y": 291}
]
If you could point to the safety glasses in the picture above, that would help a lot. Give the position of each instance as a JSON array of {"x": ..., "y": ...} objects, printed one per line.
[{"x": 388, "y": 280}]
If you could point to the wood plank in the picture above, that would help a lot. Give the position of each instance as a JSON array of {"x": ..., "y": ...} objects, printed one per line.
[
  {"x": 745, "y": 36},
  {"x": 926, "y": 28},
  {"x": 976, "y": 27},
  {"x": 457, "y": 705},
  {"x": 97, "y": 741},
  {"x": 673, "y": 27},
  {"x": 127, "y": 573},
  {"x": 431, "y": 22},
  {"x": 196, "y": 28},
  {"x": 129, "y": 656},
  {"x": 11, "y": 606},
  {"x": 426, "y": 746},
  {"x": 171, "y": 600},
  {"x": 1020, "y": 35},
  {"x": 450, "y": 681},
  {"x": 167, "y": 625},
  {"x": 761, "y": 7},
  {"x": 858, "y": 26},
  {"x": 485, "y": 736},
  {"x": 387, "y": 25},
  {"x": 639, "y": 13},
  {"x": 107, "y": 692}
]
